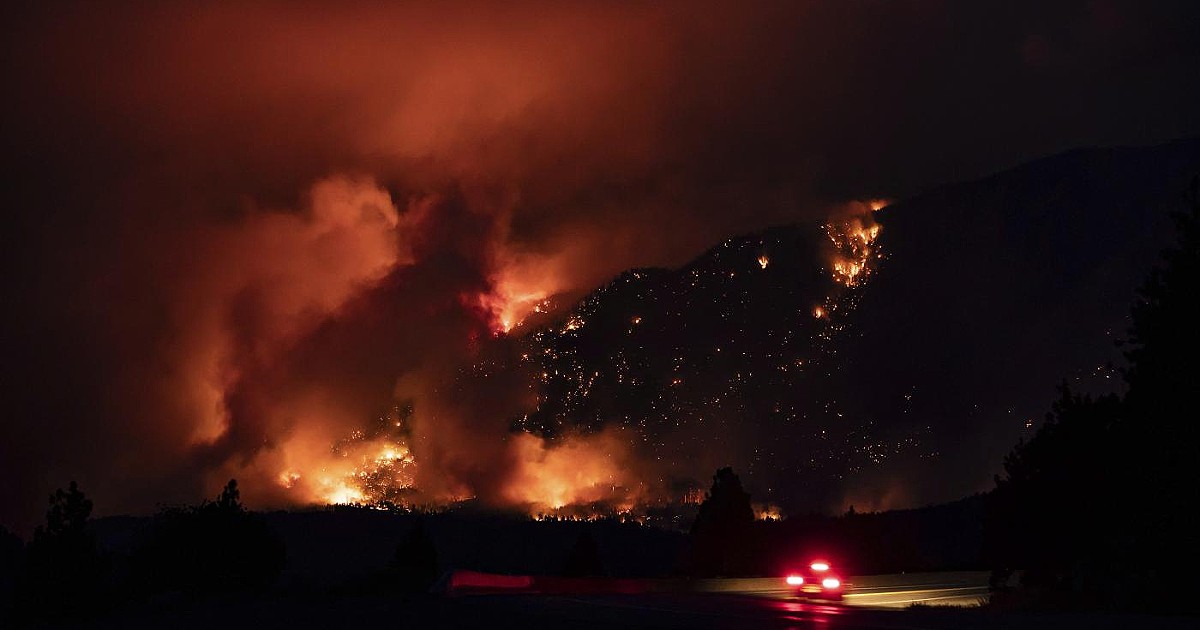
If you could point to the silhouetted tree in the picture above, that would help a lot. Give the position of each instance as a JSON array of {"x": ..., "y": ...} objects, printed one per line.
[
  {"x": 10, "y": 562},
  {"x": 1161, "y": 437},
  {"x": 584, "y": 558},
  {"x": 415, "y": 562},
  {"x": 1049, "y": 513},
  {"x": 63, "y": 573},
  {"x": 215, "y": 546},
  {"x": 720, "y": 535},
  {"x": 1097, "y": 506}
]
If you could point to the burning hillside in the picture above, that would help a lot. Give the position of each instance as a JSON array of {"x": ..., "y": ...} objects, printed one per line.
[{"x": 625, "y": 394}]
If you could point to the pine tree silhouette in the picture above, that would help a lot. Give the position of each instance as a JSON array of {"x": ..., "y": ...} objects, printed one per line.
[
  {"x": 64, "y": 574},
  {"x": 584, "y": 558},
  {"x": 415, "y": 563},
  {"x": 720, "y": 535}
]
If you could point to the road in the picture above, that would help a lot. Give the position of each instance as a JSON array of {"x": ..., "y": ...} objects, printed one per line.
[
  {"x": 968, "y": 588},
  {"x": 924, "y": 589},
  {"x": 720, "y": 611},
  {"x": 877, "y": 603},
  {"x": 944, "y": 601}
]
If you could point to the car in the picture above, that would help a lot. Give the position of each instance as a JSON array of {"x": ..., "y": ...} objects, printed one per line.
[{"x": 816, "y": 581}]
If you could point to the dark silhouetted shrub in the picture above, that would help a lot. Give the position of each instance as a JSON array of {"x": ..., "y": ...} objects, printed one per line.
[
  {"x": 584, "y": 558},
  {"x": 414, "y": 565},
  {"x": 217, "y": 546}
]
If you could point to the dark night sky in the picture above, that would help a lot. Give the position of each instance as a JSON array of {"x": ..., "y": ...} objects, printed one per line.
[{"x": 235, "y": 233}]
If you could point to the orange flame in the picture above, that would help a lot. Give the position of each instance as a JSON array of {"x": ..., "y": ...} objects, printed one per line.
[
  {"x": 855, "y": 251},
  {"x": 767, "y": 512}
]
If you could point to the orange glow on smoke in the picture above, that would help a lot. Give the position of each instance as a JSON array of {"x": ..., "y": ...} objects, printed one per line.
[
  {"x": 509, "y": 308},
  {"x": 577, "y": 470},
  {"x": 522, "y": 285},
  {"x": 301, "y": 265}
]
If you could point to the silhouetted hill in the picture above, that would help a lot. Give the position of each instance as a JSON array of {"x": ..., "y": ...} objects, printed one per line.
[
  {"x": 995, "y": 290},
  {"x": 990, "y": 292}
]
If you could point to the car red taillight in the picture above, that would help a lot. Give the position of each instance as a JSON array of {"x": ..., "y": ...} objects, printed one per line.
[
  {"x": 831, "y": 583},
  {"x": 794, "y": 580}
]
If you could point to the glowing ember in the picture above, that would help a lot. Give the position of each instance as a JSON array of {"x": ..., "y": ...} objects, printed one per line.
[{"x": 763, "y": 261}]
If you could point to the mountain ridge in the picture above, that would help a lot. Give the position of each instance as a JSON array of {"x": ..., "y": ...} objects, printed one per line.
[{"x": 870, "y": 396}]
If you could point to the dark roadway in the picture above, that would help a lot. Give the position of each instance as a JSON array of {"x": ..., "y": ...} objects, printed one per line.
[{"x": 879, "y": 602}]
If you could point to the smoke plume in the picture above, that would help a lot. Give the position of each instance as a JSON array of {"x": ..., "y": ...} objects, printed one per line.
[{"x": 242, "y": 234}]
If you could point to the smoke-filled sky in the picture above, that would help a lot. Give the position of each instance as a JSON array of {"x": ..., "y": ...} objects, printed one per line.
[{"x": 237, "y": 231}]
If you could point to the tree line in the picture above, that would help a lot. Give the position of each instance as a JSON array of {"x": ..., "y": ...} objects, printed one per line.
[{"x": 1095, "y": 510}]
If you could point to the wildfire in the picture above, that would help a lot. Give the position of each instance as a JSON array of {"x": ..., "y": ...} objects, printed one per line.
[
  {"x": 521, "y": 285},
  {"x": 342, "y": 494},
  {"x": 576, "y": 471},
  {"x": 854, "y": 246},
  {"x": 289, "y": 478},
  {"x": 579, "y": 476},
  {"x": 361, "y": 469},
  {"x": 767, "y": 512},
  {"x": 509, "y": 310}
]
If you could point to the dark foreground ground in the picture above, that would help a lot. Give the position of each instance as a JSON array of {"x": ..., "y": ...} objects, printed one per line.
[{"x": 740, "y": 604}]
